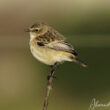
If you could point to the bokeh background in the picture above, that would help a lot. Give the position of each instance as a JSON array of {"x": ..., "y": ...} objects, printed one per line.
[{"x": 85, "y": 23}]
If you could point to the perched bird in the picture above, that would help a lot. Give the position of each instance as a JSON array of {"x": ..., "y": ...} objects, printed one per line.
[{"x": 50, "y": 47}]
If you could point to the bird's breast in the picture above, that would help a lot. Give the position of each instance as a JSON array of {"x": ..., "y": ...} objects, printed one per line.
[{"x": 42, "y": 54}]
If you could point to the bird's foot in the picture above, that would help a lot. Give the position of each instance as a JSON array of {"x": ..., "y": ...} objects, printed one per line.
[{"x": 49, "y": 76}]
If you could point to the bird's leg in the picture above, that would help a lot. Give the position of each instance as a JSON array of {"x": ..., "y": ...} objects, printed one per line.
[{"x": 52, "y": 71}]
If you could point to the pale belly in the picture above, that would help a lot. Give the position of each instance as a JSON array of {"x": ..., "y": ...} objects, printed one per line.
[{"x": 48, "y": 56}]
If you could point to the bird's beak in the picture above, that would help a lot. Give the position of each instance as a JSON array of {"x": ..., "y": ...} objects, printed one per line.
[{"x": 27, "y": 30}]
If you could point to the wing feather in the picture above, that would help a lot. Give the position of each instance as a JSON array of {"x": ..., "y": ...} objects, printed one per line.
[
  {"x": 55, "y": 41},
  {"x": 62, "y": 46}
]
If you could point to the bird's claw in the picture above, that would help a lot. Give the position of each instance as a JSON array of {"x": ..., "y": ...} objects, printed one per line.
[{"x": 49, "y": 76}]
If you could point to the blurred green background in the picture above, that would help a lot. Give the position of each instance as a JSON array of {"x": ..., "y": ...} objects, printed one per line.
[{"x": 85, "y": 23}]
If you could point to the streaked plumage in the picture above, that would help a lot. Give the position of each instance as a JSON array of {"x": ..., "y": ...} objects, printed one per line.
[{"x": 49, "y": 46}]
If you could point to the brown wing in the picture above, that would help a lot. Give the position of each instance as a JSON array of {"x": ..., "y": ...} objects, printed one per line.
[
  {"x": 50, "y": 36},
  {"x": 56, "y": 41}
]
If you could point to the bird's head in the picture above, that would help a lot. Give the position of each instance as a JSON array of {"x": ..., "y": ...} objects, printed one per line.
[{"x": 37, "y": 29}]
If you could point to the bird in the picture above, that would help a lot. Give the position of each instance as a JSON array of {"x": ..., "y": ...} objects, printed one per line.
[{"x": 50, "y": 47}]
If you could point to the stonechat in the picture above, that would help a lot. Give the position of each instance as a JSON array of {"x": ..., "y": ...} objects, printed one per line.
[{"x": 50, "y": 47}]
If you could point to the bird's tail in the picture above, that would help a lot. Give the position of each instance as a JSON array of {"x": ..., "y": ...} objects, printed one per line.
[{"x": 77, "y": 60}]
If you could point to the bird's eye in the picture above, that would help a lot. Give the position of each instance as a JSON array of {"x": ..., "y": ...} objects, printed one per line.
[{"x": 36, "y": 30}]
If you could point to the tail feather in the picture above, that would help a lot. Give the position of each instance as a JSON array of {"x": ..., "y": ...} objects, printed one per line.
[{"x": 77, "y": 60}]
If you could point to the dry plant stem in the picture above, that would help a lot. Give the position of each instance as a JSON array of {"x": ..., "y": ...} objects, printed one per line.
[{"x": 48, "y": 88}]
